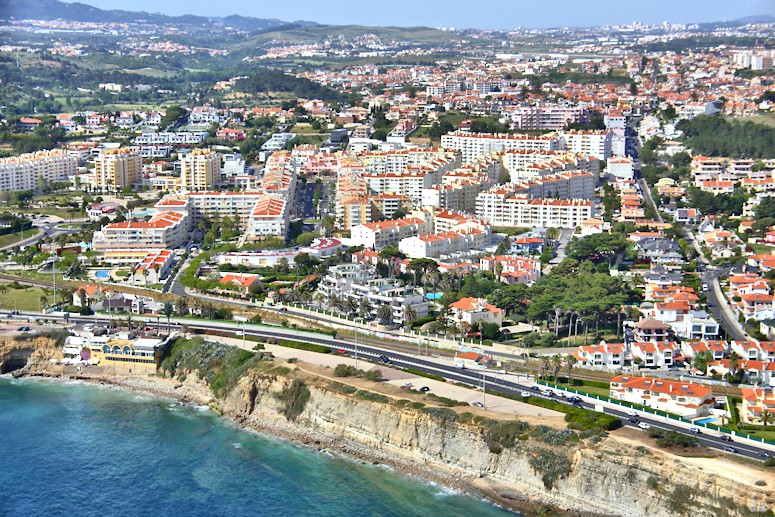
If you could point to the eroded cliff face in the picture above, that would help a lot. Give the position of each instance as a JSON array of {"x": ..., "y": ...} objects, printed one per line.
[
  {"x": 34, "y": 354},
  {"x": 608, "y": 478}
]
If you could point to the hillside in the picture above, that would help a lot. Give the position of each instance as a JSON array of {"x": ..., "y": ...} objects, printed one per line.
[{"x": 54, "y": 9}]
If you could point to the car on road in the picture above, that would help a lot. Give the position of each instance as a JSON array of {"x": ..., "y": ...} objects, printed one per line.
[
  {"x": 23, "y": 328},
  {"x": 765, "y": 454},
  {"x": 408, "y": 385},
  {"x": 634, "y": 420},
  {"x": 632, "y": 413},
  {"x": 644, "y": 425},
  {"x": 341, "y": 351},
  {"x": 425, "y": 389},
  {"x": 31, "y": 331},
  {"x": 385, "y": 359},
  {"x": 238, "y": 333},
  {"x": 547, "y": 393},
  {"x": 695, "y": 430},
  {"x": 477, "y": 404},
  {"x": 525, "y": 394},
  {"x": 535, "y": 388},
  {"x": 729, "y": 448},
  {"x": 725, "y": 438}
]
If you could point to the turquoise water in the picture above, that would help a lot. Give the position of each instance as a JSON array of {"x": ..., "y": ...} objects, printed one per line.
[
  {"x": 433, "y": 296},
  {"x": 709, "y": 420},
  {"x": 72, "y": 449},
  {"x": 102, "y": 274}
]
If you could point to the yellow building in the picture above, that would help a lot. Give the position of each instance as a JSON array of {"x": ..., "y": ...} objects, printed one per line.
[
  {"x": 115, "y": 169},
  {"x": 200, "y": 170},
  {"x": 117, "y": 351}
]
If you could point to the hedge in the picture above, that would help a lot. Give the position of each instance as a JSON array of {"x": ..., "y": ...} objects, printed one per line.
[{"x": 304, "y": 346}]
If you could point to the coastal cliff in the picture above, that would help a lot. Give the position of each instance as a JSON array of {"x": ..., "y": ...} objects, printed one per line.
[
  {"x": 531, "y": 468},
  {"x": 610, "y": 477}
]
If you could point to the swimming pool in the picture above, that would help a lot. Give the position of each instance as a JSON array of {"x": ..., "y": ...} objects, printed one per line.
[
  {"x": 102, "y": 274},
  {"x": 708, "y": 420},
  {"x": 433, "y": 296}
]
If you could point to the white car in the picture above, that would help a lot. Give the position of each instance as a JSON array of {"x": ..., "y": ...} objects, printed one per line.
[
  {"x": 632, "y": 413},
  {"x": 644, "y": 425},
  {"x": 525, "y": 393}
]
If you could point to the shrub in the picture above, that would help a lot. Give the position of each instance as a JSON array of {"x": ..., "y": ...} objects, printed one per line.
[
  {"x": 416, "y": 405},
  {"x": 505, "y": 434},
  {"x": 671, "y": 438},
  {"x": 551, "y": 465},
  {"x": 425, "y": 374},
  {"x": 680, "y": 499},
  {"x": 465, "y": 417},
  {"x": 760, "y": 482},
  {"x": 345, "y": 370},
  {"x": 553, "y": 436},
  {"x": 770, "y": 462},
  {"x": 370, "y": 395},
  {"x": 300, "y": 345},
  {"x": 652, "y": 482},
  {"x": 294, "y": 398},
  {"x": 441, "y": 414},
  {"x": 373, "y": 375}
]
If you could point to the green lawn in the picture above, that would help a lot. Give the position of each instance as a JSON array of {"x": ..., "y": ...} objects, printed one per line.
[
  {"x": 23, "y": 299},
  {"x": 761, "y": 249},
  {"x": 592, "y": 390},
  {"x": 13, "y": 238}
]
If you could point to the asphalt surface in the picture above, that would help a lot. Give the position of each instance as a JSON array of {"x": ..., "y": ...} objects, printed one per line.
[{"x": 496, "y": 382}]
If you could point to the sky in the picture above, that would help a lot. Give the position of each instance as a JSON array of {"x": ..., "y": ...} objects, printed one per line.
[{"x": 494, "y": 14}]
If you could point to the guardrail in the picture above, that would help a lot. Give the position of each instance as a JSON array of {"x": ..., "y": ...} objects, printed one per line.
[{"x": 656, "y": 412}]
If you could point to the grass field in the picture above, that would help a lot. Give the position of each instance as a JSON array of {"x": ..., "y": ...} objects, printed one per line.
[
  {"x": 23, "y": 299},
  {"x": 13, "y": 238},
  {"x": 761, "y": 249},
  {"x": 767, "y": 119}
]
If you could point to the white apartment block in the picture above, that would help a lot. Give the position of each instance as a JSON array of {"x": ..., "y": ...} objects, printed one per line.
[
  {"x": 681, "y": 398},
  {"x": 236, "y": 205},
  {"x": 396, "y": 162},
  {"x": 171, "y": 137},
  {"x": 164, "y": 230},
  {"x": 460, "y": 196},
  {"x": 528, "y": 164},
  {"x": 361, "y": 282},
  {"x": 200, "y": 170},
  {"x": 472, "y": 145},
  {"x": 592, "y": 143},
  {"x": 23, "y": 172},
  {"x": 115, "y": 169},
  {"x": 548, "y": 116},
  {"x": 380, "y": 234},
  {"x": 410, "y": 183},
  {"x": 502, "y": 208},
  {"x": 435, "y": 245},
  {"x": 269, "y": 218}
]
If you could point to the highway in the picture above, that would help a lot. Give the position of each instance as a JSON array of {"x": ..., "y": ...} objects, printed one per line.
[{"x": 494, "y": 381}]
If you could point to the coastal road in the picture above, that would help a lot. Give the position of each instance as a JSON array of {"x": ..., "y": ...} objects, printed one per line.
[{"x": 506, "y": 383}]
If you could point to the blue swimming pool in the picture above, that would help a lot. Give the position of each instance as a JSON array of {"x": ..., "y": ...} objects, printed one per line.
[
  {"x": 102, "y": 274},
  {"x": 433, "y": 296},
  {"x": 708, "y": 420}
]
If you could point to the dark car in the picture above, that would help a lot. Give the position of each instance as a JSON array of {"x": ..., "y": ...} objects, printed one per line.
[
  {"x": 385, "y": 359},
  {"x": 634, "y": 421},
  {"x": 23, "y": 329},
  {"x": 729, "y": 448},
  {"x": 425, "y": 389},
  {"x": 725, "y": 438},
  {"x": 765, "y": 454}
]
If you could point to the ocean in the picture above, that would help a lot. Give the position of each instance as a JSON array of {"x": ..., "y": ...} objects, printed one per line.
[{"x": 73, "y": 449}]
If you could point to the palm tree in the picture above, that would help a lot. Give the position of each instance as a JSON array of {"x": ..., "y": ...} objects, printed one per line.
[
  {"x": 734, "y": 363},
  {"x": 182, "y": 307},
  {"x": 168, "y": 310},
  {"x": 557, "y": 364},
  {"x": 409, "y": 315},
  {"x": 570, "y": 360},
  {"x": 544, "y": 365},
  {"x": 365, "y": 308},
  {"x": 349, "y": 305},
  {"x": 385, "y": 313},
  {"x": 767, "y": 417}
]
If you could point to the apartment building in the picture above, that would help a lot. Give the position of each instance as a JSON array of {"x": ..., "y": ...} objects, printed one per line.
[
  {"x": 23, "y": 172},
  {"x": 610, "y": 356},
  {"x": 530, "y": 164},
  {"x": 115, "y": 169},
  {"x": 360, "y": 282},
  {"x": 270, "y": 217},
  {"x": 171, "y": 138},
  {"x": 501, "y": 207},
  {"x": 595, "y": 143},
  {"x": 472, "y": 145},
  {"x": 459, "y": 195},
  {"x": 756, "y": 402},
  {"x": 164, "y": 230},
  {"x": 681, "y": 398},
  {"x": 472, "y": 311},
  {"x": 512, "y": 269},
  {"x": 548, "y": 116},
  {"x": 434, "y": 245},
  {"x": 200, "y": 170},
  {"x": 380, "y": 234}
]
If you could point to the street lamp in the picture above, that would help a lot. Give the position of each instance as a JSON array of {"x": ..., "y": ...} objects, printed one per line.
[{"x": 484, "y": 389}]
